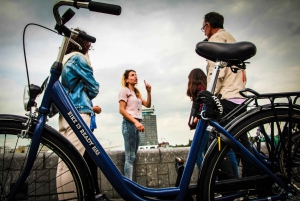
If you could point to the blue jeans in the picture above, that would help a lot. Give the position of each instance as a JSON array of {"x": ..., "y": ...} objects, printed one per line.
[
  {"x": 202, "y": 150},
  {"x": 230, "y": 155},
  {"x": 131, "y": 141},
  {"x": 234, "y": 163}
]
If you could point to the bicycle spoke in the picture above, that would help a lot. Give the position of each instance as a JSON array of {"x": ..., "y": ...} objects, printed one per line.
[{"x": 41, "y": 181}]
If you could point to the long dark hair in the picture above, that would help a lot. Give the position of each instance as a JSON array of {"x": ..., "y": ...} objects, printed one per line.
[
  {"x": 83, "y": 43},
  {"x": 196, "y": 77}
]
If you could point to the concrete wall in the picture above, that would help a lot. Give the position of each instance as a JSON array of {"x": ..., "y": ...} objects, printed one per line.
[{"x": 154, "y": 168}]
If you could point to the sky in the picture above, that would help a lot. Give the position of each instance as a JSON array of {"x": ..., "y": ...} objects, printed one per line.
[{"x": 157, "y": 38}]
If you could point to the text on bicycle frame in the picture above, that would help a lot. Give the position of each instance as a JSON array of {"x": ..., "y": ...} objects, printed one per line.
[{"x": 83, "y": 133}]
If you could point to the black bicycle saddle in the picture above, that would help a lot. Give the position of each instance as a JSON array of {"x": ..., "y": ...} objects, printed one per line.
[{"x": 234, "y": 53}]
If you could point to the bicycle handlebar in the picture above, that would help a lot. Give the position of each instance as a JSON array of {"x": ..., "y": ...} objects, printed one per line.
[
  {"x": 67, "y": 16},
  {"x": 87, "y": 37},
  {"x": 104, "y": 8},
  {"x": 92, "y": 6}
]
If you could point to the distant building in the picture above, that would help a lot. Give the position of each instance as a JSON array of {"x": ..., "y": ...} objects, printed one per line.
[
  {"x": 6, "y": 150},
  {"x": 149, "y": 137}
]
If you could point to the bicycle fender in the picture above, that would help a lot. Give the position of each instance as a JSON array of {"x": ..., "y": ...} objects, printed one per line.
[{"x": 255, "y": 110}]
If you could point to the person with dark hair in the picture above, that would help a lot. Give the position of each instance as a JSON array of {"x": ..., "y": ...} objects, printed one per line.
[
  {"x": 78, "y": 81},
  {"x": 229, "y": 83},
  {"x": 197, "y": 83},
  {"x": 130, "y": 107}
]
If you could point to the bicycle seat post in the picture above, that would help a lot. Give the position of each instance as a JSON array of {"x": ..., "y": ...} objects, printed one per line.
[{"x": 214, "y": 78}]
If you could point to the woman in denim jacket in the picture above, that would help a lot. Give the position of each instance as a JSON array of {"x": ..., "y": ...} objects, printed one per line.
[{"x": 77, "y": 65}]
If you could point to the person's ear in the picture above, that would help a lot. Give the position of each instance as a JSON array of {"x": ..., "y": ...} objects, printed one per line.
[{"x": 208, "y": 25}]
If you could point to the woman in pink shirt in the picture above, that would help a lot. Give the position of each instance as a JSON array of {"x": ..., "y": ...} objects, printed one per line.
[{"x": 130, "y": 107}]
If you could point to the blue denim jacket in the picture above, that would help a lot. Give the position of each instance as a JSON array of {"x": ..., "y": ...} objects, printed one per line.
[{"x": 76, "y": 67}]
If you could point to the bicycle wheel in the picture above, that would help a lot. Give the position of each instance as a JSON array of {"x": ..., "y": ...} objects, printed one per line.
[
  {"x": 295, "y": 155},
  {"x": 263, "y": 147},
  {"x": 41, "y": 182},
  {"x": 216, "y": 180},
  {"x": 261, "y": 142}
]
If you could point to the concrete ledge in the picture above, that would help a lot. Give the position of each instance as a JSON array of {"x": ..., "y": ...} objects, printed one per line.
[{"x": 154, "y": 168}]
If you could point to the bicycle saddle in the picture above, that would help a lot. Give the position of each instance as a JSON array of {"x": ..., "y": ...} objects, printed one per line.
[{"x": 234, "y": 53}]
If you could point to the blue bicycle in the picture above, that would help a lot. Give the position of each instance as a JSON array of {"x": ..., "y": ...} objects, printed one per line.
[{"x": 22, "y": 182}]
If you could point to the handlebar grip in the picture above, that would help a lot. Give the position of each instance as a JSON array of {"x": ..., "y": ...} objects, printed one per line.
[
  {"x": 104, "y": 8},
  {"x": 87, "y": 37},
  {"x": 67, "y": 16}
]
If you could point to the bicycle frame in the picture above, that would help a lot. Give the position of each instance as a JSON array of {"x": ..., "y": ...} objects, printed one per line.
[{"x": 127, "y": 189}]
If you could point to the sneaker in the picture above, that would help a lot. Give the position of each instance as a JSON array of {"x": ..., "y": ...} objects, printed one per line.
[
  {"x": 217, "y": 195},
  {"x": 103, "y": 198}
]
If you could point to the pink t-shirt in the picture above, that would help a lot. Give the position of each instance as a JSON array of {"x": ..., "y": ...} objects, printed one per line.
[{"x": 133, "y": 104}]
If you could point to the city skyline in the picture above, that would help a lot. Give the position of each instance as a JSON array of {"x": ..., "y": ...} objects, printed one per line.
[{"x": 149, "y": 136}]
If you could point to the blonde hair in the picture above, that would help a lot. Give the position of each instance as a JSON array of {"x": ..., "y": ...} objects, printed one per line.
[{"x": 125, "y": 84}]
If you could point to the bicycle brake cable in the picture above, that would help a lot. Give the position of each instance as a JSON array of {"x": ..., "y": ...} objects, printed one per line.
[{"x": 24, "y": 51}]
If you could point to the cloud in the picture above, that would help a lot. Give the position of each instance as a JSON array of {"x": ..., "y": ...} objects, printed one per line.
[{"x": 11, "y": 97}]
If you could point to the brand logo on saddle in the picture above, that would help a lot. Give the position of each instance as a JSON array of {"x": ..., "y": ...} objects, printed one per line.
[{"x": 83, "y": 133}]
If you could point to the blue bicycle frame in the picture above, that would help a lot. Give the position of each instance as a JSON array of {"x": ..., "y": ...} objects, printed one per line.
[{"x": 126, "y": 188}]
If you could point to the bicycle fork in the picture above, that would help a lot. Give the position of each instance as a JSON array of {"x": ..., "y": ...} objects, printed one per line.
[
  {"x": 43, "y": 111},
  {"x": 31, "y": 157}
]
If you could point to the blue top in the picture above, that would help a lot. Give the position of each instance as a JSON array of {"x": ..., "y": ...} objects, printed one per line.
[{"x": 76, "y": 67}]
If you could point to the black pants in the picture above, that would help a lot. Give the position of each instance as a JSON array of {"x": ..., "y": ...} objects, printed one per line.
[
  {"x": 93, "y": 168},
  {"x": 248, "y": 168}
]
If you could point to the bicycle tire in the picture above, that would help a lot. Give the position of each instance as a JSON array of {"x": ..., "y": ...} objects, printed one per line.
[
  {"x": 295, "y": 147},
  {"x": 257, "y": 186},
  {"x": 41, "y": 182}
]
